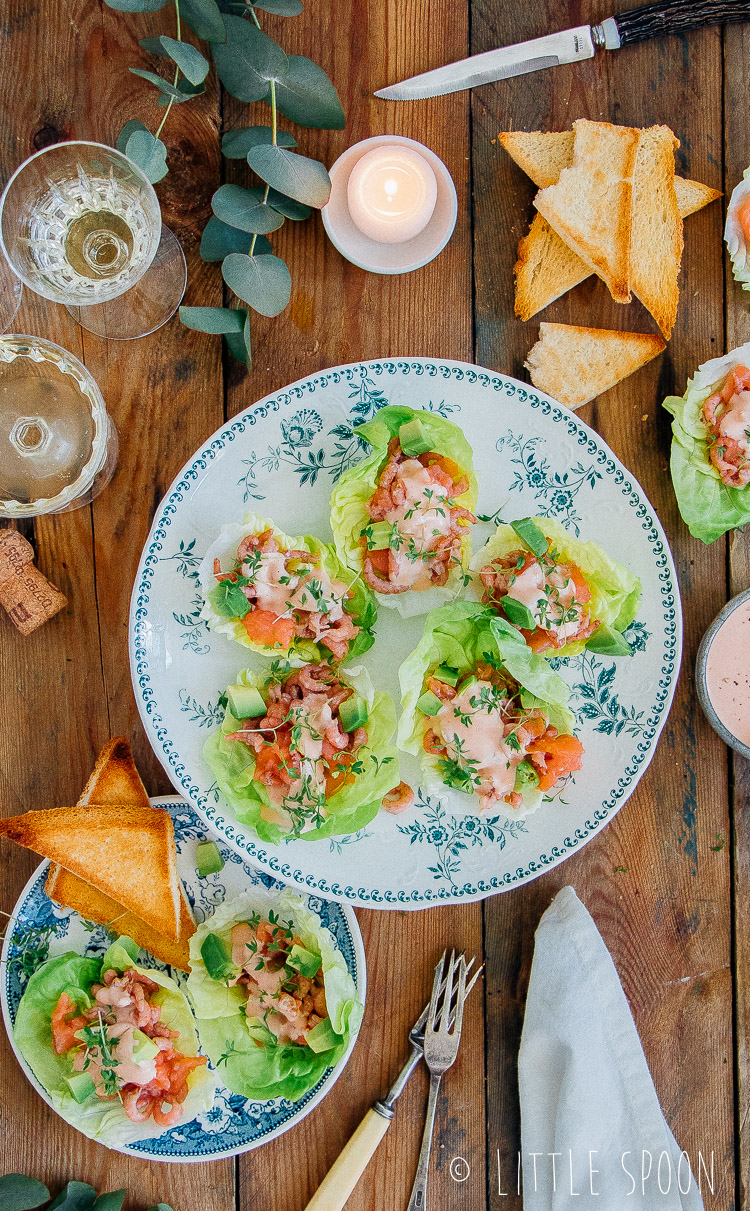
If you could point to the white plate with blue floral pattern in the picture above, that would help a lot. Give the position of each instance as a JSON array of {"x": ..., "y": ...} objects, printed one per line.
[
  {"x": 281, "y": 458},
  {"x": 39, "y": 930}
]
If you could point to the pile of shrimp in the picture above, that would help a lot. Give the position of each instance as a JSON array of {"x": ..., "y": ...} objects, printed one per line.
[
  {"x": 498, "y": 578},
  {"x": 289, "y": 1003},
  {"x": 335, "y": 634},
  {"x": 729, "y": 456},
  {"x": 380, "y": 567}
]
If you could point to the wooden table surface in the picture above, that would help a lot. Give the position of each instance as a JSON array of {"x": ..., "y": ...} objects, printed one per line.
[{"x": 667, "y": 881}]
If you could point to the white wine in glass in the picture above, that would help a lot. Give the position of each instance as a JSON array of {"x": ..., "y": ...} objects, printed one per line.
[
  {"x": 58, "y": 446},
  {"x": 81, "y": 225}
]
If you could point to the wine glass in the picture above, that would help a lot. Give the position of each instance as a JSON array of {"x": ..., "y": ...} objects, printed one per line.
[
  {"x": 58, "y": 446},
  {"x": 80, "y": 224}
]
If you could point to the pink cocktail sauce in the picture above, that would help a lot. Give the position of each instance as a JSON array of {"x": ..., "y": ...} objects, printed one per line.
[{"x": 728, "y": 673}]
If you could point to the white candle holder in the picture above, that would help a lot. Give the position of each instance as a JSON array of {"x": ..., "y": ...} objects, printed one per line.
[{"x": 376, "y": 256}]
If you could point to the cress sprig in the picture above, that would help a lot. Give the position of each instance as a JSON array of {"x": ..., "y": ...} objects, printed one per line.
[{"x": 252, "y": 67}]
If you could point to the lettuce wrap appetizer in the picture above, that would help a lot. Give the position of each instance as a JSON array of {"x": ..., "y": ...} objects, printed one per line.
[
  {"x": 710, "y": 461},
  {"x": 304, "y": 752},
  {"x": 114, "y": 1046},
  {"x": 485, "y": 714},
  {"x": 563, "y": 594},
  {"x": 287, "y": 596},
  {"x": 402, "y": 518},
  {"x": 737, "y": 230},
  {"x": 275, "y": 1003}
]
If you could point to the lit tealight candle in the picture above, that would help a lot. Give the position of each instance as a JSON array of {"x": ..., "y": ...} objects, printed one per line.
[{"x": 391, "y": 194}]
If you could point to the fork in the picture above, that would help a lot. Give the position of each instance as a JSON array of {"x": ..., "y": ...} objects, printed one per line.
[{"x": 441, "y": 1039}]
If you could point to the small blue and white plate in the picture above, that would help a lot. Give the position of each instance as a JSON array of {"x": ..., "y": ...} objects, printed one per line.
[
  {"x": 281, "y": 458},
  {"x": 40, "y": 930}
]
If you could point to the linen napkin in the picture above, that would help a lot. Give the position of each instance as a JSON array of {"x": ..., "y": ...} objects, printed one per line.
[{"x": 585, "y": 1089}]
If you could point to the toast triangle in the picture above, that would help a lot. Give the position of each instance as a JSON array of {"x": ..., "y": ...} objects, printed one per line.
[
  {"x": 574, "y": 365},
  {"x": 115, "y": 778},
  {"x": 111, "y": 847},
  {"x": 656, "y": 233}
]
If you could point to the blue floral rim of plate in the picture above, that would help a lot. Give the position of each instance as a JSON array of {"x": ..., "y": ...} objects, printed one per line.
[
  {"x": 234, "y": 1124},
  {"x": 379, "y": 374}
]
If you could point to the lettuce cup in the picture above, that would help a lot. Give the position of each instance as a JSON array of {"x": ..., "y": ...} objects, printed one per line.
[
  {"x": 710, "y": 460},
  {"x": 275, "y": 1004},
  {"x": 485, "y": 715},
  {"x": 402, "y": 518},
  {"x": 284, "y": 596},
  {"x": 563, "y": 594},
  {"x": 737, "y": 230},
  {"x": 113, "y": 1045},
  {"x": 304, "y": 753}
]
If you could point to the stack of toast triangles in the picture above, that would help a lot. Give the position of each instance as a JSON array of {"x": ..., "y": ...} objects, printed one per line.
[
  {"x": 114, "y": 859},
  {"x": 609, "y": 203}
]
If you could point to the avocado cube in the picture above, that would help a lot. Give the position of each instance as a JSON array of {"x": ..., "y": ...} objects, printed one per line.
[
  {"x": 378, "y": 535},
  {"x": 518, "y": 613},
  {"x": 144, "y": 1048},
  {"x": 305, "y": 961},
  {"x": 414, "y": 441},
  {"x": 80, "y": 1086},
  {"x": 528, "y": 531},
  {"x": 208, "y": 860},
  {"x": 353, "y": 713},
  {"x": 445, "y": 673},
  {"x": 245, "y": 701},
  {"x": 217, "y": 958},
  {"x": 429, "y": 703}
]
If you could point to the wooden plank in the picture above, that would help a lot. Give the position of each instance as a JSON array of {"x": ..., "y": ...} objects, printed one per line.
[
  {"x": 66, "y": 686},
  {"x": 657, "y": 878},
  {"x": 339, "y": 314},
  {"x": 736, "y": 160}
]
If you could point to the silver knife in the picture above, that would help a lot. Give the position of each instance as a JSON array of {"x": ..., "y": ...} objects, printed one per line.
[{"x": 568, "y": 46}]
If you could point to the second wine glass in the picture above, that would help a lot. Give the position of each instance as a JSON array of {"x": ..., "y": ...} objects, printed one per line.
[{"x": 81, "y": 225}]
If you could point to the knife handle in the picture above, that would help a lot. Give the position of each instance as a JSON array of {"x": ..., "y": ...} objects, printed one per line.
[
  {"x": 671, "y": 16},
  {"x": 333, "y": 1192}
]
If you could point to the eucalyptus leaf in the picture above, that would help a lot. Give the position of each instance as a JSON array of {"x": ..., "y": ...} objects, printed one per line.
[
  {"x": 263, "y": 282},
  {"x": 236, "y": 143},
  {"x": 248, "y": 60},
  {"x": 193, "y": 65},
  {"x": 149, "y": 153},
  {"x": 110, "y": 1202},
  {"x": 245, "y": 209},
  {"x": 204, "y": 18},
  {"x": 136, "y": 6},
  {"x": 306, "y": 96},
  {"x": 76, "y": 1196},
  {"x": 297, "y": 176},
  {"x": 218, "y": 240},
  {"x": 185, "y": 92},
  {"x": 19, "y": 1193},
  {"x": 166, "y": 87},
  {"x": 238, "y": 343},
  {"x": 153, "y": 46},
  {"x": 127, "y": 131},
  {"x": 218, "y": 320},
  {"x": 160, "y": 1207},
  {"x": 290, "y": 208},
  {"x": 281, "y": 8}
]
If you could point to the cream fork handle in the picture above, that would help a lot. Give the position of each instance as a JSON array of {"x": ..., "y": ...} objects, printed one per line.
[
  {"x": 418, "y": 1200},
  {"x": 333, "y": 1192}
]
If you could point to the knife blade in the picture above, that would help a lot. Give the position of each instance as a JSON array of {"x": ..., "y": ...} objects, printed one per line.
[{"x": 569, "y": 46}]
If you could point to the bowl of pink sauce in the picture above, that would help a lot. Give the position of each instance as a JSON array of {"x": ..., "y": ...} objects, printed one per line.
[{"x": 723, "y": 673}]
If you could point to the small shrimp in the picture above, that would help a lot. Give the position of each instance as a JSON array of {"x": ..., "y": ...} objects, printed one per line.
[{"x": 398, "y": 800}]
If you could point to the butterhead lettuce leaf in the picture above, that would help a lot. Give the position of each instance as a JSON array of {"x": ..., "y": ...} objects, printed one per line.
[
  {"x": 246, "y": 1054},
  {"x": 361, "y": 605},
  {"x": 707, "y": 505},
  {"x": 461, "y": 635},
  {"x": 349, "y": 515},
  {"x": 736, "y": 240},
  {"x": 615, "y": 590},
  {"x": 350, "y": 808},
  {"x": 104, "y": 1121}
]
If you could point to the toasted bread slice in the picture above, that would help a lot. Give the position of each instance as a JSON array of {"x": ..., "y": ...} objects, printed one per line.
[
  {"x": 115, "y": 778},
  {"x": 126, "y": 852},
  {"x": 591, "y": 205},
  {"x": 656, "y": 232},
  {"x": 543, "y": 154},
  {"x": 546, "y": 267},
  {"x": 574, "y": 365},
  {"x": 91, "y": 904}
]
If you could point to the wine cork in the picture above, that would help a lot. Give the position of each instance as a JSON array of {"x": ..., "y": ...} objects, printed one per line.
[{"x": 26, "y": 595}]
